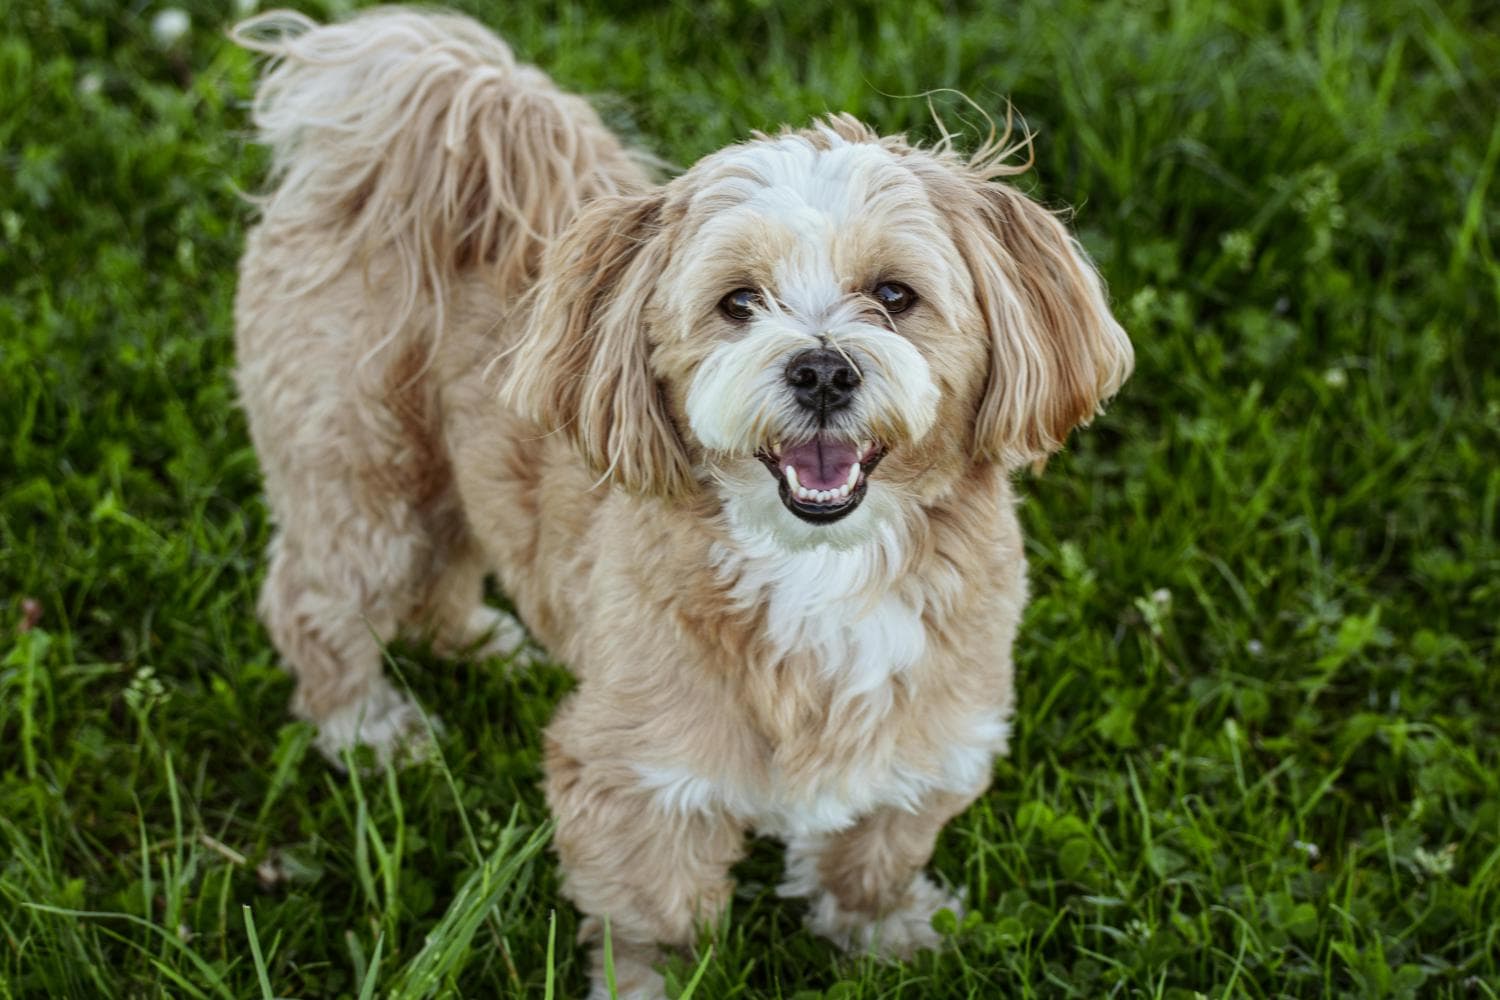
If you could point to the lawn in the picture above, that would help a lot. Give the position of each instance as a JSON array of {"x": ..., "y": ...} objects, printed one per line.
[{"x": 1258, "y": 745}]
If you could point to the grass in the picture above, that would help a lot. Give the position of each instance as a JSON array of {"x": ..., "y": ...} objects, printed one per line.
[{"x": 1257, "y": 748}]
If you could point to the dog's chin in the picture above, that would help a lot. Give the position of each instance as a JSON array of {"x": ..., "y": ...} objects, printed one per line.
[
  {"x": 815, "y": 513},
  {"x": 826, "y": 502}
]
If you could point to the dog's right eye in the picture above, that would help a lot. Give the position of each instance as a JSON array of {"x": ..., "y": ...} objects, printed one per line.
[{"x": 740, "y": 304}]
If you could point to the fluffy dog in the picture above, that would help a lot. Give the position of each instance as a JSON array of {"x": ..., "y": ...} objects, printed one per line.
[{"x": 738, "y": 446}]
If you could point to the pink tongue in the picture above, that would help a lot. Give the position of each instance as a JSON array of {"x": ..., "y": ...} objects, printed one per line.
[{"x": 822, "y": 463}]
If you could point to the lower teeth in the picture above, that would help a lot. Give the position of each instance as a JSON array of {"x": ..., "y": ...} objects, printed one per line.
[{"x": 821, "y": 496}]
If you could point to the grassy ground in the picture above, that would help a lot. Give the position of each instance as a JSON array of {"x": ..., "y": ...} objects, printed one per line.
[{"x": 1257, "y": 746}]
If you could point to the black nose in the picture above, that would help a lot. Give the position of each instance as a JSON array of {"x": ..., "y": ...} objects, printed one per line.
[{"x": 822, "y": 379}]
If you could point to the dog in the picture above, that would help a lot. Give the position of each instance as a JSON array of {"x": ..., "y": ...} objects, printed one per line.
[{"x": 738, "y": 446}]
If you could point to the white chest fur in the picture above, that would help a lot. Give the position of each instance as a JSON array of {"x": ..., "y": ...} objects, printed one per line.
[
  {"x": 853, "y": 616},
  {"x": 844, "y": 606}
]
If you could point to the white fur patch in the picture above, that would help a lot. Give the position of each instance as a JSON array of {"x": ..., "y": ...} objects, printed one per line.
[
  {"x": 792, "y": 180},
  {"x": 384, "y": 720},
  {"x": 680, "y": 790},
  {"x": 502, "y": 633},
  {"x": 843, "y": 605}
]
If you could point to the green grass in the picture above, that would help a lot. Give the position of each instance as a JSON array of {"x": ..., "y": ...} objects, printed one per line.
[{"x": 1257, "y": 752}]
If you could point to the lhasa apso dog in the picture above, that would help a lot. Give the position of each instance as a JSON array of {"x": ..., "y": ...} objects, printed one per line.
[{"x": 738, "y": 446}]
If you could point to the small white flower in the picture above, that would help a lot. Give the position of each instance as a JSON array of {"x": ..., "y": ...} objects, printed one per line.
[
  {"x": 1143, "y": 304},
  {"x": 269, "y": 873},
  {"x": 1311, "y": 850},
  {"x": 1336, "y": 378},
  {"x": 1437, "y": 863},
  {"x": 1162, "y": 596},
  {"x": 169, "y": 25},
  {"x": 144, "y": 691},
  {"x": 1239, "y": 247},
  {"x": 1255, "y": 647},
  {"x": 89, "y": 84}
]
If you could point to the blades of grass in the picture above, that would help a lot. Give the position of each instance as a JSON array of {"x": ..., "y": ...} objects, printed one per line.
[
  {"x": 448, "y": 943},
  {"x": 210, "y": 975},
  {"x": 438, "y": 759},
  {"x": 357, "y": 960},
  {"x": 363, "y": 838},
  {"x": 1474, "y": 207},
  {"x": 25, "y": 655},
  {"x": 148, "y": 891},
  {"x": 692, "y": 984},
  {"x": 551, "y": 983},
  {"x": 609, "y": 962},
  {"x": 391, "y": 859},
  {"x": 291, "y": 746},
  {"x": 175, "y": 882},
  {"x": 372, "y": 973},
  {"x": 255, "y": 956}
]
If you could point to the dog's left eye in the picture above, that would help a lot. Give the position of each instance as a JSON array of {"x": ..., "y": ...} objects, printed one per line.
[
  {"x": 740, "y": 303},
  {"x": 895, "y": 296}
]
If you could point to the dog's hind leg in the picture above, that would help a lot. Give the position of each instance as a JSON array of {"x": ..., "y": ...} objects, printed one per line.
[
  {"x": 330, "y": 602},
  {"x": 455, "y": 612}
]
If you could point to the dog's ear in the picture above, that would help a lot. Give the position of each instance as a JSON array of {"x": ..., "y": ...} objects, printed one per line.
[
  {"x": 1056, "y": 352},
  {"x": 582, "y": 366}
]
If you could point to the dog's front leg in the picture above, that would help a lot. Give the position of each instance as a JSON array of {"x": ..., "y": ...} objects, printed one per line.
[
  {"x": 658, "y": 875},
  {"x": 865, "y": 884}
]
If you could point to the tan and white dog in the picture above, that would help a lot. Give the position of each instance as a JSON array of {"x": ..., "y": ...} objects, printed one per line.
[{"x": 738, "y": 447}]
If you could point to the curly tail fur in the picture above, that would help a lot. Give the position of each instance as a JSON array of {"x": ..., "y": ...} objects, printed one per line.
[{"x": 419, "y": 135}]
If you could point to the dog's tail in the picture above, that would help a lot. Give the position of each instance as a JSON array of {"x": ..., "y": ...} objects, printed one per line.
[{"x": 418, "y": 137}]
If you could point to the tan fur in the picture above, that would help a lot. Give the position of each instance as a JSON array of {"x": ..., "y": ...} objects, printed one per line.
[
  {"x": 586, "y": 372},
  {"x": 449, "y": 231}
]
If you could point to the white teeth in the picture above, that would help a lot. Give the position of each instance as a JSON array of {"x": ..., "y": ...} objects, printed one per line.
[{"x": 820, "y": 496}]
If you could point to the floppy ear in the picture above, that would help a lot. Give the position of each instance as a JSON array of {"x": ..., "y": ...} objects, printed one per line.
[
  {"x": 1056, "y": 352},
  {"x": 582, "y": 366}
]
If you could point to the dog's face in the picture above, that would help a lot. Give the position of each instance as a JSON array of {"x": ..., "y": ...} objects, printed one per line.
[{"x": 824, "y": 327}]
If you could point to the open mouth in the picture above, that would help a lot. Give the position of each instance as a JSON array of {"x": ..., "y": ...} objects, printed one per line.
[{"x": 823, "y": 479}]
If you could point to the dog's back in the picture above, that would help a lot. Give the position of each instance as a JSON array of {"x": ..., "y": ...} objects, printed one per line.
[{"x": 416, "y": 167}]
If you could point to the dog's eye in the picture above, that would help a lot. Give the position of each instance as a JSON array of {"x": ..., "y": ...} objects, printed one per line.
[
  {"x": 895, "y": 296},
  {"x": 740, "y": 304}
]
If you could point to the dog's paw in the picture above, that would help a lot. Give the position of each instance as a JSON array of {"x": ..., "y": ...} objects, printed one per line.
[
  {"x": 640, "y": 991},
  {"x": 389, "y": 724},
  {"x": 634, "y": 968},
  {"x": 899, "y": 934},
  {"x": 490, "y": 632}
]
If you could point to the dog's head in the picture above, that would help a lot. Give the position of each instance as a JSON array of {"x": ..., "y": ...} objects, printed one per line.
[{"x": 824, "y": 326}]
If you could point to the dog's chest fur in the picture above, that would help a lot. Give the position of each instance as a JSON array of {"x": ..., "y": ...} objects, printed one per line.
[{"x": 841, "y": 691}]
